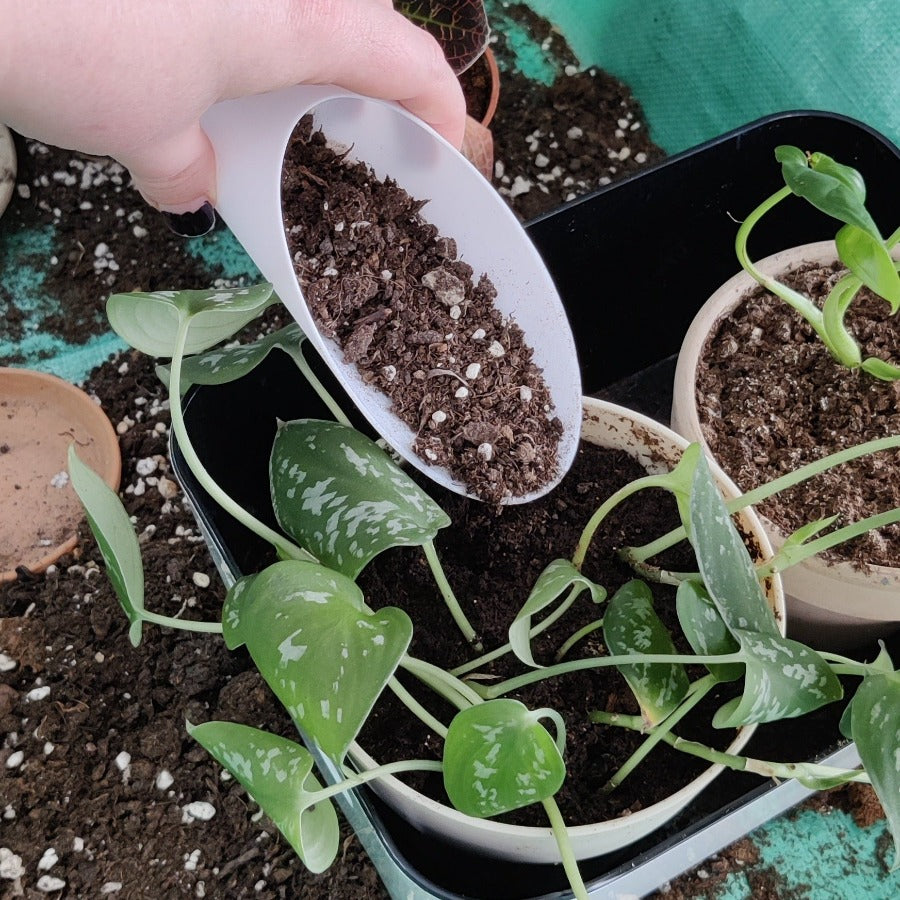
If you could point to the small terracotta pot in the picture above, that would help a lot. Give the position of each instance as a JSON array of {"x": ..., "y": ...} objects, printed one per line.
[
  {"x": 39, "y": 511},
  {"x": 831, "y": 605},
  {"x": 658, "y": 449},
  {"x": 494, "y": 98}
]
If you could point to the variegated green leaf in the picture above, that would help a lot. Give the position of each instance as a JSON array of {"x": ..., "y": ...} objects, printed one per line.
[
  {"x": 277, "y": 773},
  {"x": 499, "y": 757},
  {"x": 631, "y": 626},
  {"x": 324, "y": 654},
  {"x": 225, "y": 364},
  {"x": 725, "y": 565},
  {"x": 114, "y": 533},
  {"x": 704, "y": 629},
  {"x": 343, "y": 498},
  {"x": 233, "y": 611},
  {"x": 783, "y": 679},
  {"x": 875, "y": 728},
  {"x": 150, "y": 321},
  {"x": 558, "y": 577}
]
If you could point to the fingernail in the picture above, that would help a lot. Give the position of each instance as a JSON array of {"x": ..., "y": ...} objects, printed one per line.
[{"x": 192, "y": 224}]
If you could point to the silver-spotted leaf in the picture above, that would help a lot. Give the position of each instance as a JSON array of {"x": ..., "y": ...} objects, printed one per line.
[
  {"x": 704, "y": 629},
  {"x": 233, "y": 612},
  {"x": 725, "y": 565},
  {"x": 559, "y": 576},
  {"x": 149, "y": 322},
  {"x": 784, "y": 679},
  {"x": 631, "y": 626},
  {"x": 322, "y": 652},
  {"x": 499, "y": 757},
  {"x": 277, "y": 773},
  {"x": 114, "y": 533},
  {"x": 339, "y": 495}
]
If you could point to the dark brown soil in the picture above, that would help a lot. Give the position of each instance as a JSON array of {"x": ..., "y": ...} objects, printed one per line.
[
  {"x": 786, "y": 402},
  {"x": 391, "y": 290}
]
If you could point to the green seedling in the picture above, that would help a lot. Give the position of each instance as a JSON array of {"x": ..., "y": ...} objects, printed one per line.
[
  {"x": 840, "y": 192},
  {"x": 340, "y": 501}
]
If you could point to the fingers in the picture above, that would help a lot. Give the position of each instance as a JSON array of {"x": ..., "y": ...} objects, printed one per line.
[{"x": 178, "y": 175}]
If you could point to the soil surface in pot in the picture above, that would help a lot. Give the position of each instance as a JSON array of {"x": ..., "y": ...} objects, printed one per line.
[
  {"x": 408, "y": 313},
  {"x": 491, "y": 559},
  {"x": 786, "y": 402}
]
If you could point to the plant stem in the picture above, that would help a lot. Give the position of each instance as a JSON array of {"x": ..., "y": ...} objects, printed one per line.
[
  {"x": 183, "y": 624},
  {"x": 416, "y": 708},
  {"x": 698, "y": 691},
  {"x": 764, "y": 491},
  {"x": 570, "y": 864},
  {"x": 575, "y": 638},
  {"x": 355, "y": 780},
  {"x": 284, "y": 547},
  {"x": 457, "y": 692},
  {"x": 443, "y": 585},
  {"x": 541, "y": 626},
  {"x": 597, "y": 662},
  {"x": 318, "y": 387}
]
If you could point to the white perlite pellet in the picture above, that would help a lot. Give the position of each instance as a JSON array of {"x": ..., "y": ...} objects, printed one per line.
[
  {"x": 111, "y": 887},
  {"x": 11, "y": 866},
  {"x": 496, "y": 349},
  {"x": 438, "y": 416},
  {"x": 473, "y": 370},
  {"x": 191, "y": 860},
  {"x": 486, "y": 451},
  {"x": 7, "y": 663},
  {"x": 123, "y": 761},
  {"x": 164, "y": 780},
  {"x": 38, "y": 693},
  {"x": 201, "y": 579},
  {"x": 77, "y": 844},
  {"x": 47, "y": 884},
  {"x": 59, "y": 480},
  {"x": 48, "y": 860},
  {"x": 199, "y": 809},
  {"x": 14, "y": 760}
]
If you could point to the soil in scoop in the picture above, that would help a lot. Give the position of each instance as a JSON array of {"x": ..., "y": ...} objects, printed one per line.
[
  {"x": 491, "y": 559},
  {"x": 407, "y": 312},
  {"x": 787, "y": 402}
]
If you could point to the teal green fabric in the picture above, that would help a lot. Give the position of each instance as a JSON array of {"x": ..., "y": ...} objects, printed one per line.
[{"x": 703, "y": 67}]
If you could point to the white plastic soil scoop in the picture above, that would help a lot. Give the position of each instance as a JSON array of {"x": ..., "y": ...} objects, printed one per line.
[{"x": 250, "y": 136}]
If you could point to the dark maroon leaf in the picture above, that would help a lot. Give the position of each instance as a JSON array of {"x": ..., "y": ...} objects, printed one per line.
[{"x": 460, "y": 26}]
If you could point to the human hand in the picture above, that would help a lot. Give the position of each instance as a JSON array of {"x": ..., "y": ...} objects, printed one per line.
[{"x": 131, "y": 79}]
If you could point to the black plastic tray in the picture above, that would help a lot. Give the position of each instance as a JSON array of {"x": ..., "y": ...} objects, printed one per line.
[{"x": 632, "y": 262}]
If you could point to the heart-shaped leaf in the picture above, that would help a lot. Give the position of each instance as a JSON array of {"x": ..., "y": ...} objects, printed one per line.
[
  {"x": 875, "y": 727},
  {"x": 559, "y": 576},
  {"x": 829, "y": 187},
  {"x": 226, "y": 364},
  {"x": 114, "y": 533},
  {"x": 783, "y": 679},
  {"x": 460, "y": 27},
  {"x": 704, "y": 629},
  {"x": 233, "y": 612},
  {"x": 150, "y": 321},
  {"x": 324, "y": 654},
  {"x": 868, "y": 259},
  {"x": 631, "y": 626},
  {"x": 339, "y": 495},
  {"x": 725, "y": 565},
  {"x": 498, "y": 757},
  {"x": 277, "y": 773}
]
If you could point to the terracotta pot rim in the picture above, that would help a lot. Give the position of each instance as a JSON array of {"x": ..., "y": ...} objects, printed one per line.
[
  {"x": 55, "y": 395},
  {"x": 494, "y": 97}
]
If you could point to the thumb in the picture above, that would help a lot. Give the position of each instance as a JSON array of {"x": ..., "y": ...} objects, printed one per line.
[{"x": 177, "y": 175}]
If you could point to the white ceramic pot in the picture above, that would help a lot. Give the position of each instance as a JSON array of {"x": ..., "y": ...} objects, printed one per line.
[
  {"x": 831, "y": 605},
  {"x": 658, "y": 449}
]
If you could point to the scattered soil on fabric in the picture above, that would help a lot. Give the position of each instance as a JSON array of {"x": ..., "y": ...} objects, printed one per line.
[
  {"x": 787, "y": 402},
  {"x": 491, "y": 559},
  {"x": 381, "y": 281}
]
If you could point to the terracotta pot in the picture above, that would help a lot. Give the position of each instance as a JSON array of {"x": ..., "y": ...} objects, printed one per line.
[
  {"x": 478, "y": 142},
  {"x": 7, "y": 167},
  {"x": 831, "y": 605},
  {"x": 39, "y": 512},
  {"x": 658, "y": 449}
]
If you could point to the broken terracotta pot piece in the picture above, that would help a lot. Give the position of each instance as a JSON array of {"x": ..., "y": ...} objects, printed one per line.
[{"x": 40, "y": 416}]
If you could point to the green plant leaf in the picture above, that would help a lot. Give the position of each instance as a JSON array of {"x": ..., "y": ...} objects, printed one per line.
[
  {"x": 226, "y": 364},
  {"x": 339, "y": 495},
  {"x": 839, "y": 341},
  {"x": 784, "y": 679},
  {"x": 878, "y": 368},
  {"x": 149, "y": 321},
  {"x": 631, "y": 626},
  {"x": 114, "y": 533},
  {"x": 869, "y": 260},
  {"x": 725, "y": 565},
  {"x": 277, "y": 773},
  {"x": 559, "y": 575},
  {"x": 875, "y": 728},
  {"x": 459, "y": 26},
  {"x": 498, "y": 757},
  {"x": 324, "y": 654},
  {"x": 704, "y": 629},
  {"x": 829, "y": 189},
  {"x": 233, "y": 612}
]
